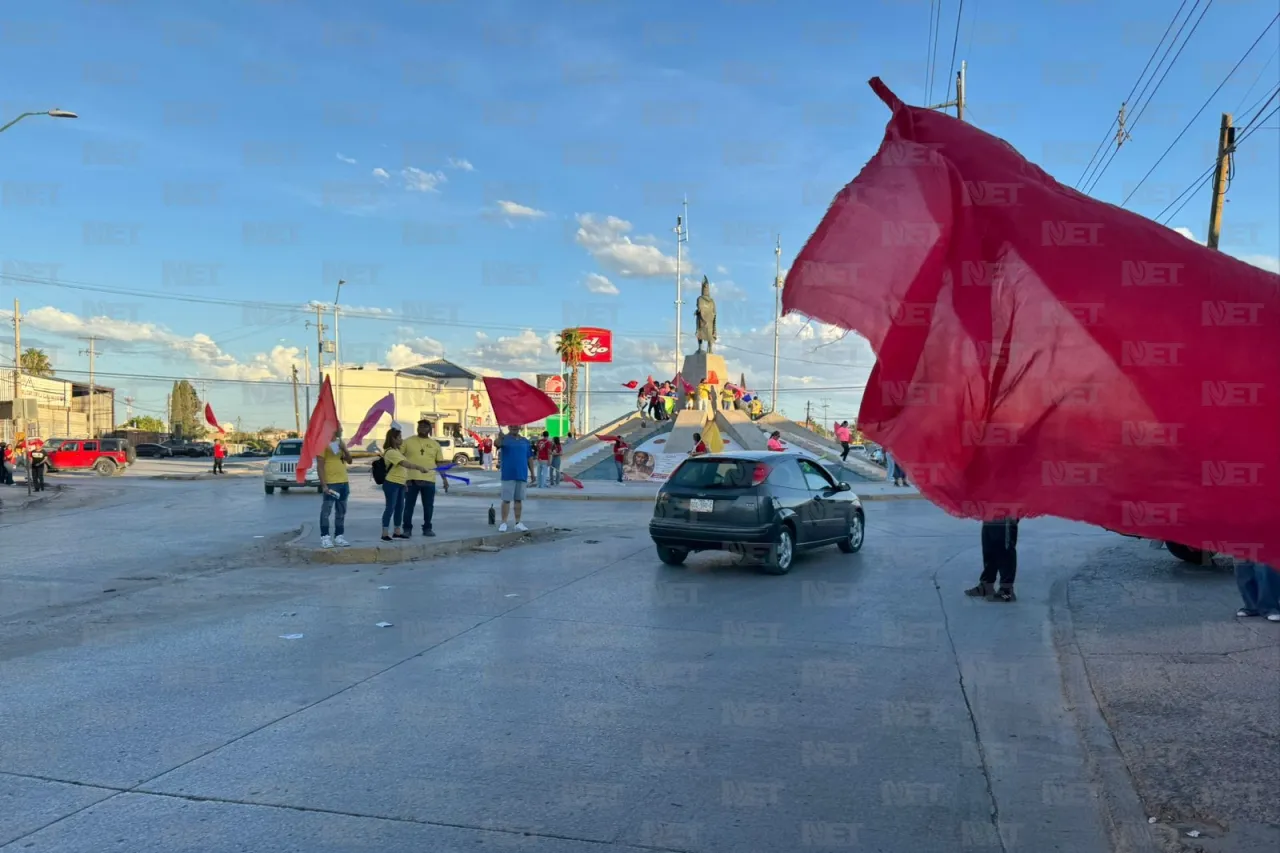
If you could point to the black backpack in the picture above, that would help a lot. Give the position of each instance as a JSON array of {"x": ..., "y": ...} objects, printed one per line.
[{"x": 379, "y": 470}]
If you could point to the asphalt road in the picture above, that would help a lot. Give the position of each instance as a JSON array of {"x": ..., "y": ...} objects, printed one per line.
[{"x": 564, "y": 697}]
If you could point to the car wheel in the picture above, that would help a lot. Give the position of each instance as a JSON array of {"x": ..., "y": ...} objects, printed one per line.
[
  {"x": 1190, "y": 555},
  {"x": 857, "y": 532},
  {"x": 672, "y": 556},
  {"x": 461, "y": 459},
  {"x": 284, "y": 488},
  {"x": 782, "y": 553},
  {"x": 104, "y": 467},
  {"x": 271, "y": 490}
]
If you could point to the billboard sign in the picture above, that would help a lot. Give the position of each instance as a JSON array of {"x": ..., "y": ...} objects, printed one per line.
[{"x": 597, "y": 345}]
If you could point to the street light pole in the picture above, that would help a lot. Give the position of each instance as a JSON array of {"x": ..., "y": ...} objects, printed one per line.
[
  {"x": 777, "y": 318},
  {"x": 54, "y": 113},
  {"x": 682, "y": 237},
  {"x": 337, "y": 357}
]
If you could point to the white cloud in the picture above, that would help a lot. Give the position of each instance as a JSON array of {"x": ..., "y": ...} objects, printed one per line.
[
  {"x": 597, "y": 283},
  {"x": 607, "y": 241},
  {"x": 1186, "y": 232},
  {"x": 728, "y": 291},
  {"x": 515, "y": 210},
  {"x": 721, "y": 269},
  {"x": 1270, "y": 263},
  {"x": 416, "y": 180},
  {"x": 416, "y": 351},
  {"x": 526, "y": 350},
  {"x": 381, "y": 174},
  {"x": 461, "y": 164},
  {"x": 349, "y": 160}
]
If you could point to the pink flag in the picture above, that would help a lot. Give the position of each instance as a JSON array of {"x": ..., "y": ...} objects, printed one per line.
[{"x": 385, "y": 406}]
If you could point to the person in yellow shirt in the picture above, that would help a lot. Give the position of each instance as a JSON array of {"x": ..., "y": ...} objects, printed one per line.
[
  {"x": 726, "y": 398},
  {"x": 757, "y": 409},
  {"x": 704, "y": 396},
  {"x": 336, "y": 488},
  {"x": 424, "y": 451},
  {"x": 398, "y": 468}
]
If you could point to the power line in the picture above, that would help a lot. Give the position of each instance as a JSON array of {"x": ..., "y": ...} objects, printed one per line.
[
  {"x": 1097, "y": 178},
  {"x": 1261, "y": 71},
  {"x": 1106, "y": 137},
  {"x": 955, "y": 42},
  {"x": 1201, "y": 110}
]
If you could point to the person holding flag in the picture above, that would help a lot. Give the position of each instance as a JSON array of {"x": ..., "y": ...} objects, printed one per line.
[
  {"x": 336, "y": 488},
  {"x": 515, "y": 403},
  {"x": 219, "y": 454}
]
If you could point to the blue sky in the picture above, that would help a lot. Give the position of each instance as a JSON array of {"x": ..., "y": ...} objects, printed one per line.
[{"x": 227, "y": 153}]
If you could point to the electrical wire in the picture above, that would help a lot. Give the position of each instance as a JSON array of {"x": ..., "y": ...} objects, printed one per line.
[
  {"x": 1106, "y": 137},
  {"x": 935, "y": 12},
  {"x": 1261, "y": 71},
  {"x": 955, "y": 42},
  {"x": 1206, "y": 103},
  {"x": 1097, "y": 178}
]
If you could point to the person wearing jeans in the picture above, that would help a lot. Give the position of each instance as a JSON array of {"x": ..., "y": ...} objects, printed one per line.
[
  {"x": 1259, "y": 590},
  {"x": 426, "y": 455},
  {"x": 393, "y": 487},
  {"x": 619, "y": 456},
  {"x": 557, "y": 452},
  {"x": 332, "y": 468},
  {"x": 999, "y": 560}
]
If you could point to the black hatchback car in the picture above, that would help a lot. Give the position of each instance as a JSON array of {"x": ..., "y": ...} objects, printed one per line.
[{"x": 760, "y": 503}]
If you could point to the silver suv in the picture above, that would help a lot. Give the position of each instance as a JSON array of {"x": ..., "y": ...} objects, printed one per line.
[{"x": 280, "y": 471}]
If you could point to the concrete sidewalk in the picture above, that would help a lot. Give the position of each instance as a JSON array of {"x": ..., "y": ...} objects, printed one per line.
[
  {"x": 15, "y": 497},
  {"x": 607, "y": 490}
]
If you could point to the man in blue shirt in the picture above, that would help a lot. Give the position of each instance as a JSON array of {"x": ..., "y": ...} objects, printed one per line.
[{"x": 514, "y": 453}]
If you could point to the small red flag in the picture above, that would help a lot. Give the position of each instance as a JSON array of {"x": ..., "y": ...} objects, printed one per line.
[
  {"x": 569, "y": 479},
  {"x": 320, "y": 429},
  {"x": 516, "y": 402},
  {"x": 633, "y": 384},
  {"x": 213, "y": 422}
]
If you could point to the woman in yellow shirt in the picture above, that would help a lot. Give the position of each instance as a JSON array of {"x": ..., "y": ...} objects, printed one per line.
[{"x": 393, "y": 485}]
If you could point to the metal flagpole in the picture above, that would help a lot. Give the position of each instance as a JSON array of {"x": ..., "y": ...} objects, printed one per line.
[
  {"x": 777, "y": 318},
  {"x": 682, "y": 237}
]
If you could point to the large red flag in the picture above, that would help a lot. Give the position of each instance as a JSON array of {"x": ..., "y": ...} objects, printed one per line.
[
  {"x": 212, "y": 421},
  {"x": 516, "y": 402},
  {"x": 320, "y": 429},
  {"x": 1040, "y": 352}
]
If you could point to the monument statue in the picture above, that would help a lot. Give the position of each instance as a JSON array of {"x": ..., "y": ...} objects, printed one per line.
[{"x": 706, "y": 317}]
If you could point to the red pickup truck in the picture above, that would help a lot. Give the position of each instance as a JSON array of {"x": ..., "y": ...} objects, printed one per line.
[{"x": 104, "y": 456}]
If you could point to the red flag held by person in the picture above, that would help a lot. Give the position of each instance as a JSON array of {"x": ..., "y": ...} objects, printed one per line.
[
  {"x": 633, "y": 384},
  {"x": 320, "y": 429},
  {"x": 516, "y": 402},
  {"x": 212, "y": 421},
  {"x": 1040, "y": 352}
]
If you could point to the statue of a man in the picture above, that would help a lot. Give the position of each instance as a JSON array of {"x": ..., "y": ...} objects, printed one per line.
[{"x": 706, "y": 317}]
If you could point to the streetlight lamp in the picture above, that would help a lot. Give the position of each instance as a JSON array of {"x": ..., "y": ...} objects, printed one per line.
[{"x": 54, "y": 113}]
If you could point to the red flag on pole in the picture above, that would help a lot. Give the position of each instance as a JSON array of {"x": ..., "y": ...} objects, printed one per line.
[
  {"x": 213, "y": 422},
  {"x": 516, "y": 402},
  {"x": 320, "y": 429},
  {"x": 1039, "y": 352}
]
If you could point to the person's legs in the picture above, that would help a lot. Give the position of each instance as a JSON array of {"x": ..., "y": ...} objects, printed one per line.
[
  {"x": 508, "y": 493},
  {"x": 340, "y": 508},
  {"x": 397, "y": 513},
  {"x": 844, "y": 451},
  {"x": 389, "y": 498},
  {"x": 618, "y": 465},
  {"x": 555, "y": 471},
  {"x": 39, "y": 477},
  {"x": 1250, "y": 593},
  {"x": 519, "y": 507},
  {"x": 992, "y": 544},
  {"x": 428, "y": 510},
  {"x": 411, "y": 490},
  {"x": 1008, "y": 564},
  {"x": 326, "y": 508}
]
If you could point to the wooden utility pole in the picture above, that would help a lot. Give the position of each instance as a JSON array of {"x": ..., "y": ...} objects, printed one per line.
[
  {"x": 1226, "y": 146},
  {"x": 808, "y": 421},
  {"x": 93, "y": 433},
  {"x": 320, "y": 327},
  {"x": 297, "y": 415},
  {"x": 19, "y": 423},
  {"x": 168, "y": 414},
  {"x": 960, "y": 92}
]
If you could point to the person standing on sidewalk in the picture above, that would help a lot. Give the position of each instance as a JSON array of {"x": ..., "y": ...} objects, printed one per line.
[
  {"x": 219, "y": 454},
  {"x": 999, "y": 560},
  {"x": 619, "y": 456},
  {"x": 704, "y": 396},
  {"x": 543, "y": 450},
  {"x": 844, "y": 437},
  {"x": 397, "y": 472},
  {"x": 557, "y": 452},
  {"x": 426, "y": 455},
  {"x": 486, "y": 453},
  {"x": 6, "y": 476},
  {"x": 1259, "y": 587},
  {"x": 513, "y": 461},
  {"x": 37, "y": 463},
  {"x": 336, "y": 487}
]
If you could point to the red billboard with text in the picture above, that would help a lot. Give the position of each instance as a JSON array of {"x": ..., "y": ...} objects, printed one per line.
[{"x": 597, "y": 345}]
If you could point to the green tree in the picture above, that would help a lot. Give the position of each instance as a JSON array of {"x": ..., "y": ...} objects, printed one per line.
[
  {"x": 184, "y": 411},
  {"x": 146, "y": 423},
  {"x": 569, "y": 348},
  {"x": 35, "y": 362}
]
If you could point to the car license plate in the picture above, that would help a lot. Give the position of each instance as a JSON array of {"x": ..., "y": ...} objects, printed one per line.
[{"x": 701, "y": 505}]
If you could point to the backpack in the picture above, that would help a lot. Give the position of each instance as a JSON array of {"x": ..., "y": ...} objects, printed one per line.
[{"x": 379, "y": 470}]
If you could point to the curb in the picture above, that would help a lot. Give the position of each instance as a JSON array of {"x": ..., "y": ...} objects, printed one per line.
[
  {"x": 207, "y": 475},
  {"x": 649, "y": 498},
  {"x": 1123, "y": 814},
  {"x": 410, "y": 553},
  {"x": 56, "y": 489}
]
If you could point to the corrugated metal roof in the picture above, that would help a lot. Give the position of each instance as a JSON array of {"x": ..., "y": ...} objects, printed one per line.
[{"x": 439, "y": 368}]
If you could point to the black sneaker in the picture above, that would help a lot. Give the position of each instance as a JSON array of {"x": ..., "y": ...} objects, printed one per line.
[
  {"x": 982, "y": 590},
  {"x": 1005, "y": 593},
  {"x": 428, "y": 532},
  {"x": 398, "y": 536}
]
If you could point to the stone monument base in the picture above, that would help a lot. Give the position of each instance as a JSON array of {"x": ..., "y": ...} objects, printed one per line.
[{"x": 703, "y": 365}]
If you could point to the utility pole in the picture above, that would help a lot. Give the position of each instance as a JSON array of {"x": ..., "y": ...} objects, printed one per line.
[
  {"x": 168, "y": 414},
  {"x": 128, "y": 409},
  {"x": 320, "y": 327},
  {"x": 808, "y": 420},
  {"x": 682, "y": 237},
  {"x": 1122, "y": 134},
  {"x": 93, "y": 432},
  {"x": 961, "y": 94},
  {"x": 297, "y": 416},
  {"x": 19, "y": 423},
  {"x": 337, "y": 359},
  {"x": 1226, "y": 147},
  {"x": 826, "y": 404},
  {"x": 777, "y": 318}
]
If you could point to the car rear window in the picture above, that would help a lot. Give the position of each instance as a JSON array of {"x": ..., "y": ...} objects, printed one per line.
[
  {"x": 289, "y": 448},
  {"x": 713, "y": 474}
]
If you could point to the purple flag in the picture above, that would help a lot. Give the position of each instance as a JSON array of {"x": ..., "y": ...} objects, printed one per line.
[{"x": 385, "y": 406}]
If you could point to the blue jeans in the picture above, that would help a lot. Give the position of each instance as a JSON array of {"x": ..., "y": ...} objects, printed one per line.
[
  {"x": 618, "y": 465},
  {"x": 428, "y": 492},
  {"x": 542, "y": 474},
  {"x": 338, "y": 506},
  {"x": 555, "y": 470},
  {"x": 1259, "y": 587},
  {"x": 394, "y": 493}
]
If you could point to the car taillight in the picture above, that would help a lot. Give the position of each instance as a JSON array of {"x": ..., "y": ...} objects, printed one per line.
[{"x": 760, "y": 473}]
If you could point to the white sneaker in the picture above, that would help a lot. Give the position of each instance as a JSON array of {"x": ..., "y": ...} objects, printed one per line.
[
  {"x": 520, "y": 526},
  {"x": 341, "y": 541},
  {"x": 502, "y": 528},
  {"x": 326, "y": 542},
  {"x": 1271, "y": 617}
]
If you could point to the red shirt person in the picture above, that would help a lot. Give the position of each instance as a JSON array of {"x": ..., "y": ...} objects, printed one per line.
[{"x": 619, "y": 456}]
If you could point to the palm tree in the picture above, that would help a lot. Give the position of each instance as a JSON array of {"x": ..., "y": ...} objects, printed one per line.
[
  {"x": 36, "y": 363},
  {"x": 569, "y": 348}
]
